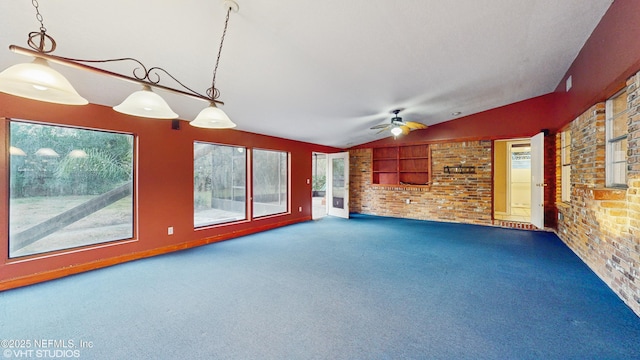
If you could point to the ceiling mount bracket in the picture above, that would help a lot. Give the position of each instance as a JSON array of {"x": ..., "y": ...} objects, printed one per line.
[{"x": 232, "y": 5}]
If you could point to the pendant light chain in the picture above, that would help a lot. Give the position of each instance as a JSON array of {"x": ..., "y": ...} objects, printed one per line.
[
  {"x": 38, "y": 15},
  {"x": 38, "y": 40},
  {"x": 213, "y": 92}
]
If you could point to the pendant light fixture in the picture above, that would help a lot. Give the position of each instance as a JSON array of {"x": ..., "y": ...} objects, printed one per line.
[
  {"x": 146, "y": 103},
  {"x": 38, "y": 81},
  {"x": 213, "y": 117}
]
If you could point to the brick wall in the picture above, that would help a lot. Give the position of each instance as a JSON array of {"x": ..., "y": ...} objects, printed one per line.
[
  {"x": 601, "y": 225},
  {"x": 633, "y": 193},
  {"x": 464, "y": 198}
]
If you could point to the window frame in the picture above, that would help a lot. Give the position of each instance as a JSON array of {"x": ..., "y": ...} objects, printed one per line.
[
  {"x": 133, "y": 225},
  {"x": 247, "y": 186},
  {"x": 565, "y": 164},
  {"x": 287, "y": 201},
  {"x": 611, "y": 141}
]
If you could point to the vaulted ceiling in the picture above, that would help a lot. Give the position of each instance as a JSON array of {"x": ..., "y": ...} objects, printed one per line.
[{"x": 322, "y": 72}]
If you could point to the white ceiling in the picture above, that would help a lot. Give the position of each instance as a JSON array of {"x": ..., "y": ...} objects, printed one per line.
[{"x": 325, "y": 71}]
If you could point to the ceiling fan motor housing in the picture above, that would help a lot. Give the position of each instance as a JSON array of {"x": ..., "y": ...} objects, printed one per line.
[{"x": 396, "y": 120}]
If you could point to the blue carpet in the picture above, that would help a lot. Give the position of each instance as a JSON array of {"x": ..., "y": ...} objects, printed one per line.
[{"x": 365, "y": 288}]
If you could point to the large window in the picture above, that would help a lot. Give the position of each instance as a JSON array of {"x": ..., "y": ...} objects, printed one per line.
[
  {"x": 270, "y": 182},
  {"x": 616, "y": 151},
  {"x": 219, "y": 184},
  {"x": 69, "y": 187},
  {"x": 565, "y": 148}
]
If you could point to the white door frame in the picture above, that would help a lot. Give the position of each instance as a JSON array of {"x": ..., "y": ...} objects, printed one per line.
[
  {"x": 537, "y": 180},
  {"x": 340, "y": 205}
]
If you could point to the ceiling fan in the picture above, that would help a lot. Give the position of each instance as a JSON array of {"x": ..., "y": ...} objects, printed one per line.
[{"x": 397, "y": 126}]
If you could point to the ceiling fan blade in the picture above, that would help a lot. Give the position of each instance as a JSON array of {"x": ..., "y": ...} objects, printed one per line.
[
  {"x": 381, "y": 126},
  {"x": 415, "y": 125},
  {"x": 383, "y": 130},
  {"x": 405, "y": 129}
]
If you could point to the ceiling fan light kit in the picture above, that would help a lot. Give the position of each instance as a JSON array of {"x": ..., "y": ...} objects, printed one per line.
[
  {"x": 38, "y": 81},
  {"x": 399, "y": 127},
  {"x": 396, "y": 130}
]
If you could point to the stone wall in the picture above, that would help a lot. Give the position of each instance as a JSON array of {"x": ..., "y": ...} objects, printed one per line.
[
  {"x": 601, "y": 225},
  {"x": 464, "y": 198}
]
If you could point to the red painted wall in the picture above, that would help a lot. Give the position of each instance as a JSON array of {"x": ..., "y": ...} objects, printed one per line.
[
  {"x": 608, "y": 58},
  {"x": 164, "y": 181}
]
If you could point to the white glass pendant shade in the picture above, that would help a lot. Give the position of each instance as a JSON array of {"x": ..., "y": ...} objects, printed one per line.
[
  {"x": 396, "y": 130},
  {"x": 14, "y": 151},
  {"x": 47, "y": 152},
  {"x": 78, "y": 154},
  {"x": 146, "y": 103},
  {"x": 212, "y": 117},
  {"x": 38, "y": 81}
]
